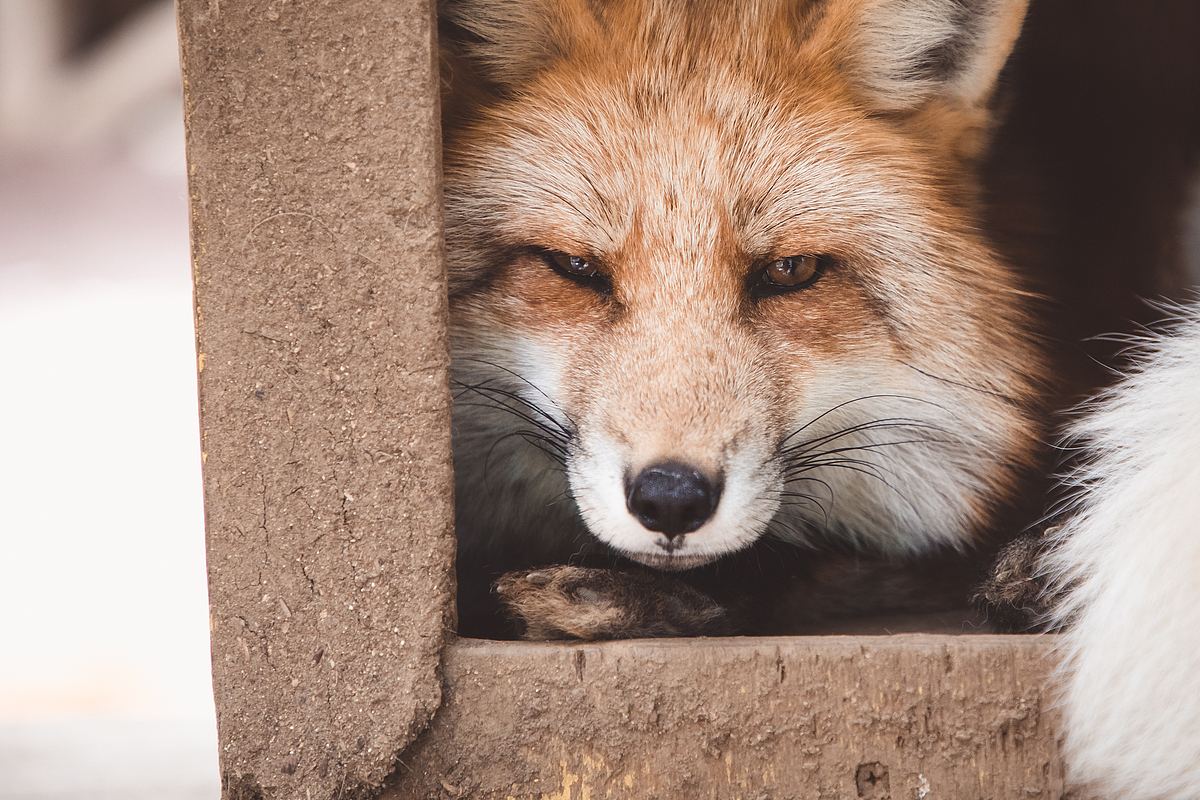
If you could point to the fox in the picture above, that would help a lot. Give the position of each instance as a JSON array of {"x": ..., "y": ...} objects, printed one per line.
[
  {"x": 741, "y": 342},
  {"x": 719, "y": 295}
]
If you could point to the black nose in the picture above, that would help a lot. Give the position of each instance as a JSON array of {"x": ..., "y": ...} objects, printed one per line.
[{"x": 672, "y": 498}]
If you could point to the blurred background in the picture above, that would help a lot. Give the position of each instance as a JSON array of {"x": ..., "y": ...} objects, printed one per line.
[{"x": 104, "y": 674}]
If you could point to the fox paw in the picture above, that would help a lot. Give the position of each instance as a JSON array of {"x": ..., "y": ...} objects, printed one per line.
[
  {"x": 1014, "y": 595},
  {"x": 584, "y": 603}
]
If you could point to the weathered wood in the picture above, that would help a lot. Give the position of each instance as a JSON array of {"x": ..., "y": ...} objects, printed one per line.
[
  {"x": 912, "y": 716},
  {"x": 314, "y": 166}
]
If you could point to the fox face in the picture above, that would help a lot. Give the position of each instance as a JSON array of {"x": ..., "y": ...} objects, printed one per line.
[{"x": 716, "y": 274}]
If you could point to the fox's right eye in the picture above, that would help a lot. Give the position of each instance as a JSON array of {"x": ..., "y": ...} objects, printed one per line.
[
  {"x": 788, "y": 274},
  {"x": 577, "y": 268}
]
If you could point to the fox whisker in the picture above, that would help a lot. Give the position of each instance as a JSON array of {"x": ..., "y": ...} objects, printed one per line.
[
  {"x": 548, "y": 432},
  {"x": 800, "y": 459},
  {"x": 524, "y": 380},
  {"x": 890, "y": 423},
  {"x": 543, "y": 420},
  {"x": 846, "y": 403}
]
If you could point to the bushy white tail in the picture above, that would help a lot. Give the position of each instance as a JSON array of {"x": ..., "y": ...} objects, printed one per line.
[{"x": 1129, "y": 561}]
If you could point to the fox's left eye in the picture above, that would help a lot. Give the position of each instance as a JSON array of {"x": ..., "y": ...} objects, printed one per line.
[
  {"x": 792, "y": 272},
  {"x": 579, "y": 269},
  {"x": 575, "y": 266}
]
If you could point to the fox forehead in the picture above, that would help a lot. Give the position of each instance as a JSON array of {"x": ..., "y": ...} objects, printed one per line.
[
  {"x": 686, "y": 127},
  {"x": 715, "y": 168},
  {"x": 666, "y": 154}
]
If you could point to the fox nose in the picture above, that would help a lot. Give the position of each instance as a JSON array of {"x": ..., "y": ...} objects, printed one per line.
[{"x": 672, "y": 498}]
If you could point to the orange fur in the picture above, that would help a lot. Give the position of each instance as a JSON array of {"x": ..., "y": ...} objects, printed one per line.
[{"x": 679, "y": 145}]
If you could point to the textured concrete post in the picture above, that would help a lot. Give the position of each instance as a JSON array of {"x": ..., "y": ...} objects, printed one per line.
[{"x": 313, "y": 150}]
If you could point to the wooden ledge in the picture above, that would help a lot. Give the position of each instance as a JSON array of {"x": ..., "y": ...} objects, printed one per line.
[{"x": 904, "y": 716}]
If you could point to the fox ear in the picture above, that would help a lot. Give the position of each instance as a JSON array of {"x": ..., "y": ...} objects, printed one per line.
[
  {"x": 511, "y": 40},
  {"x": 907, "y": 52}
]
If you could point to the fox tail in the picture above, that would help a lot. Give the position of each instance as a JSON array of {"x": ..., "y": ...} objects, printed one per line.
[{"x": 1127, "y": 565}]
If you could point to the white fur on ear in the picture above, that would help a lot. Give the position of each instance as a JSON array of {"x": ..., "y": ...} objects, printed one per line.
[
  {"x": 1128, "y": 561},
  {"x": 516, "y": 38},
  {"x": 908, "y": 51}
]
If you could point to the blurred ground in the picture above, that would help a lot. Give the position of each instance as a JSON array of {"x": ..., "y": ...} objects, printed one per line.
[{"x": 104, "y": 683}]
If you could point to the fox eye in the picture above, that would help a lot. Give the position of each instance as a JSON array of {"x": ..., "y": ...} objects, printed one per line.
[
  {"x": 577, "y": 268},
  {"x": 790, "y": 273}
]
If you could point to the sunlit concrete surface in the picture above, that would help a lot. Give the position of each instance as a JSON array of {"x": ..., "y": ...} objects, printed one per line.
[{"x": 104, "y": 660}]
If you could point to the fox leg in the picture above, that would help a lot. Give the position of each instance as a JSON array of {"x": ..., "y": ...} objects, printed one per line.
[
  {"x": 792, "y": 592},
  {"x": 564, "y": 602}
]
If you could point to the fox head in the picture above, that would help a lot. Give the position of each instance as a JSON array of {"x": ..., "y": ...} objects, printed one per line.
[{"x": 716, "y": 273}]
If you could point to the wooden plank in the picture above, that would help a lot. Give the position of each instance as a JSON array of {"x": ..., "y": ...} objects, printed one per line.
[
  {"x": 907, "y": 716},
  {"x": 314, "y": 167}
]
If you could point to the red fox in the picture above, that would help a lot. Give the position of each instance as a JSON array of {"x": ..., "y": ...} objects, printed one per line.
[
  {"x": 722, "y": 294},
  {"x": 716, "y": 275}
]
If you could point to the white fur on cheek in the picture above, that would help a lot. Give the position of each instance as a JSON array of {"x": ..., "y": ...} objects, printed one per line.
[
  {"x": 507, "y": 490},
  {"x": 893, "y": 470},
  {"x": 541, "y": 366},
  {"x": 1130, "y": 560}
]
